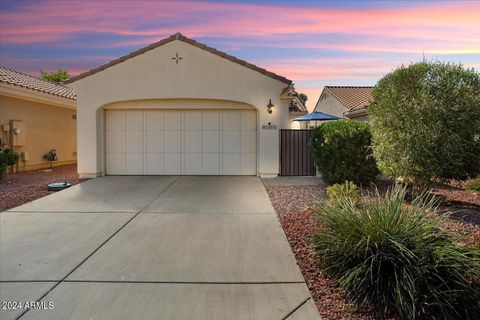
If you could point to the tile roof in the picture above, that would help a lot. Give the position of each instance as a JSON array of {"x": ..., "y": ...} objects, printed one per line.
[
  {"x": 297, "y": 106},
  {"x": 352, "y": 97},
  {"x": 26, "y": 81},
  {"x": 179, "y": 36}
]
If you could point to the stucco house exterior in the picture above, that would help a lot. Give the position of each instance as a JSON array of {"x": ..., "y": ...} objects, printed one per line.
[
  {"x": 37, "y": 116},
  {"x": 179, "y": 107},
  {"x": 349, "y": 102}
]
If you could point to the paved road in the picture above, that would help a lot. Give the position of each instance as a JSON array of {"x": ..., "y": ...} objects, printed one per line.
[{"x": 151, "y": 248}]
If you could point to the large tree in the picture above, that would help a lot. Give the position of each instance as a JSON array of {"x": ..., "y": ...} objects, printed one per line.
[
  {"x": 426, "y": 122},
  {"x": 57, "y": 77}
]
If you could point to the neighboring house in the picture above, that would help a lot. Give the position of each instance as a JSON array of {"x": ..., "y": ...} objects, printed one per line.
[
  {"x": 350, "y": 102},
  {"x": 296, "y": 109},
  {"x": 37, "y": 116},
  {"x": 179, "y": 107}
]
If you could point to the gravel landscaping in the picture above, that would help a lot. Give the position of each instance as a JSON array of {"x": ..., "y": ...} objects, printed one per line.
[
  {"x": 294, "y": 206},
  {"x": 19, "y": 188}
]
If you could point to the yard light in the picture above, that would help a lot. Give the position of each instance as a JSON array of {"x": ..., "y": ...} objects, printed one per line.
[{"x": 270, "y": 106}]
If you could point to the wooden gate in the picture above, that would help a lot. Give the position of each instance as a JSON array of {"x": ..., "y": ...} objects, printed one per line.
[{"x": 295, "y": 156}]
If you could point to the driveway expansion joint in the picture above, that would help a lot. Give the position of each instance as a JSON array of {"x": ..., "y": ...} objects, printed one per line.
[
  {"x": 291, "y": 313},
  {"x": 100, "y": 246},
  {"x": 189, "y": 282}
]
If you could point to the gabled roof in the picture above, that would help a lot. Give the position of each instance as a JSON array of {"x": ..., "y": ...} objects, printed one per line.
[
  {"x": 295, "y": 104},
  {"x": 352, "y": 97},
  {"x": 180, "y": 37},
  {"x": 27, "y": 81}
]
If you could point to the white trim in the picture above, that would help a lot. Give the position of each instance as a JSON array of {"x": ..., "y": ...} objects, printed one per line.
[{"x": 14, "y": 91}]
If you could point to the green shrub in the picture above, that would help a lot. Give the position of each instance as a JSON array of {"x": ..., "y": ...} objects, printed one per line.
[
  {"x": 426, "y": 122},
  {"x": 395, "y": 257},
  {"x": 338, "y": 192},
  {"x": 342, "y": 152},
  {"x": 8, "y": 157},
  {"x": 3, "y": 170},
  {"x": 474, "y": 186}
]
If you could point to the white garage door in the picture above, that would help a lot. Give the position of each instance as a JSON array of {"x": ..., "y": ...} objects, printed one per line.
[{"x": 162, "y": 142}]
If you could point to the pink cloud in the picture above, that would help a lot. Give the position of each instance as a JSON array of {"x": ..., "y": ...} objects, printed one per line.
[{"x": 388, "y": 29}]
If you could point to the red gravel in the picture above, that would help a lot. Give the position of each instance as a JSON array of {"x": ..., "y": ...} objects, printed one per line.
[
  {"x": 19, "y": 188},
  {"x": 293, "y": 205}
]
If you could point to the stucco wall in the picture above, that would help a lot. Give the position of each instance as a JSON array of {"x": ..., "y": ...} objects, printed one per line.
[
  {"x": 47, "y": 127},
  {"x": 153, "y": 75},
  {"x": 330, "y": 105}
]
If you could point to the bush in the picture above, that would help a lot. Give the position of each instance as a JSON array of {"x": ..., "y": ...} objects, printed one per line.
[
  {"x": 338, "y": 192},
  {"x": 426, "y": 123},
  {"x": 8, "y": 157},
  {"x": 3, "y": 170},
  {"x": 342, "y": 152},
  {"x": 396, "y": 258},
  {"x": 474, "y": 186}
]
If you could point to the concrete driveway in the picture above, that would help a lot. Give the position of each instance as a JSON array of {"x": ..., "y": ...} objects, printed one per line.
[{"x": 151, "y": 248}]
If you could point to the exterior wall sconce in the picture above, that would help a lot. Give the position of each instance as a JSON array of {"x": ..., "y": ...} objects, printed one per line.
[
  {"x": 17, "y": 131},
  {"x": 270, "y": 106}
]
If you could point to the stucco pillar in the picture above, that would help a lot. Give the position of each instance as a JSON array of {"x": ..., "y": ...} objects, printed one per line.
[
  {"x": 89, "y": 141},
  {"x": 269, "y": 146}
]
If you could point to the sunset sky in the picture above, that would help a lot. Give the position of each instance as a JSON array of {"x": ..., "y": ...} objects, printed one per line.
[{"x": 314, "y": 43}]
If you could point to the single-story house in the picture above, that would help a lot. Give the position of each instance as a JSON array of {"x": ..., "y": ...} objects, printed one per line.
[
  {"x": 37, "y": 116},
  {"x": 297, "y": 109},
  {"x": 179, "y": 107},
  {"x": 349, "y": 102}
]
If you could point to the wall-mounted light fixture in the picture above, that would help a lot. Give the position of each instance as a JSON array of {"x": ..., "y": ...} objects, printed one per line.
[
  {"x": 17, "y": 131},
  {"x": 270, "y": 106}
]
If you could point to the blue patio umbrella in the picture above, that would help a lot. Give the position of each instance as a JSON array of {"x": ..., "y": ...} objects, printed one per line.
[{"x": 317, "y": 116}]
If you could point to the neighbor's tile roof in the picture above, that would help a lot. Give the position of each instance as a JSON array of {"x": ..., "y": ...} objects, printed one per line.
[
  {"x": 26, "y": 81},
  {"x": 180, "y": 37},
  {"x": 352, "y": 97}
]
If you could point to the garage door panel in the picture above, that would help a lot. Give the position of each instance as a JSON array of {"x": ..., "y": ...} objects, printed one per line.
[
  {"x": 171, "y": 163},
  {"x": 171, "y": 120},
  {"x": 115, "y": 163},
  {"x": 248, "y": 141},
  {"x": 115, "y": 141},
  {"x": 171, "y": 141},
  {"x": 133, "y": 141},
  {"x": 134, "y": 120},
  {"x": 192, "y": 163},
  {"x": 231, "y": 141},
  {"x": 192, "y": 121},
  {"x": 115, "y": 120},
  {"x": 153, "y": 163},
  {"x": 248, "y": 121},
  {"x": 154, "y": 141},
  {"x": 248, "y": 163},
  {"x": 211, "y": 141},
  {"x": 133, "y": 163},
  {"x": 211, "y": 120},
  {"x": 231, "y": 163},
  {"x": 176, "y": 142},
  {"x": 193, "y": 141},
  {"x": 154, "y": 120},
  {"x": 231, "y": 120},
  {"x": 211, "y": 163}
]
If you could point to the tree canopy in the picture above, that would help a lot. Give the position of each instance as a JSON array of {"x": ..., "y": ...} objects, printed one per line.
[
  {"x": 59, "y": 76},
  {"x": 426, "y": 122}
]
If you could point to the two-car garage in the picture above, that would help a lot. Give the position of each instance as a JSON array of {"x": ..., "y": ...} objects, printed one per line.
[
  {"x": 208, "y": 113},
  {"x": 181, "y": 142}
]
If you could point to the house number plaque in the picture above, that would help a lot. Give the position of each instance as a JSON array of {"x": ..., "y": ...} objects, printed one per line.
[{"x": 269, "y": 126}]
